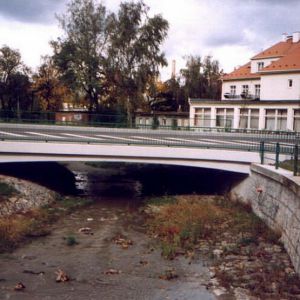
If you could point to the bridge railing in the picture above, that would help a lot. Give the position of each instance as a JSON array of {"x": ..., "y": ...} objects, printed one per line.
[
  {"x": 271, "y": 145},
  {"x": 120, "y": 121}
]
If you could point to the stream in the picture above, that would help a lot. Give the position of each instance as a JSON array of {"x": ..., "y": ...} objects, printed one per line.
[{"x": 98, "y": 266}]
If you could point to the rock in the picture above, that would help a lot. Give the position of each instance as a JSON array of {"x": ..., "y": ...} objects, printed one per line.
[
  {"x": 277, "y": 249},
  {"x": 85, "y": 230},
  {"x": 241, "y": 294},
  {"x": 289, "y": 270},
  {"x": 219, "y": 291},
  {"x": 217, "y": 252}
]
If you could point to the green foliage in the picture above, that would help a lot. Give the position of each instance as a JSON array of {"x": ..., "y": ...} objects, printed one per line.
[
  {"x": 134, "y": 53},
  {"x": 202, "y": 78},
  {"x": 71, "y": 240},
  {"x": 80, "y": 54},
  {"x": 70, "y": 203},
  {"x": 7, "y": 190},
  {"x": 14, "y": 81}
]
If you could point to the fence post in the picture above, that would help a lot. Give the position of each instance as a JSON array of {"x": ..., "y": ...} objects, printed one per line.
[
  {"x": 262, "y": 152},
  {"x": 296, "y": 160},
  {"x": 277, "y": 156}
]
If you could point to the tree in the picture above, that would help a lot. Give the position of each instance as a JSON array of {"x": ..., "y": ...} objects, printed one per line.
[
  {"x": 192, "y": 76},
  {"x": 134, "y": 54},
  {"x": 14, "y": 80},
  {"x": 212, "y": 75},
  {"x": 201, "y": 79},
  {"x": 48, "y": 88},
  {"x": 81, "y": 53}
]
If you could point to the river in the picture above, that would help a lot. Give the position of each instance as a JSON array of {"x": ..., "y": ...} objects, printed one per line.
[{"x": 98, "y": 266}]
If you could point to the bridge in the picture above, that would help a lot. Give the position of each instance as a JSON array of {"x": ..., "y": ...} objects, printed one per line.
[{"x": 215, "y": 148}]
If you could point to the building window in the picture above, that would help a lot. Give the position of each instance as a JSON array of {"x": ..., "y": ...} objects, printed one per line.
[
  {"x": 141, "y": 121},
  {"x": 257, "y": 91},
  {"x": 147, "y": 121},
  {"x": 254, "y": 118},
  {"x": 232, "y": 90},
  {"x": 249, "y": 118},
  {"x": 202, "y": 117},
  {"x": 244, "y": 118},
  {"x": 245, "y": 91},
  {"x": 270, "y": 119},
  {"x": 276, "y": 119},
  {"x": 224, "y": 117},
  {"x": 281, "y": 119},
  {"x": 290, "y": 83},
  {"x": 164, "y": 122},
  {"x": 297, "y": 120},
  {"x": 260, "y": 65}
]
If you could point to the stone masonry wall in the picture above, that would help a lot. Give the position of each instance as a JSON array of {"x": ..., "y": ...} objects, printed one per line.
[{"x": 275, "y": 197}]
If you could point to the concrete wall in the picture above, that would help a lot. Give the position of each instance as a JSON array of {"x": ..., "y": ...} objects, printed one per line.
[
  {"x": 239, "y": 86},
  {"x": 266, "y": 61},
  {"x": 275, "y": 197},
  {"x": 275, "y": 87}
]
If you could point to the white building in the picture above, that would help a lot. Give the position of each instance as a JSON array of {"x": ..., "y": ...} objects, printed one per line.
[{"x": 263, "y": 94}]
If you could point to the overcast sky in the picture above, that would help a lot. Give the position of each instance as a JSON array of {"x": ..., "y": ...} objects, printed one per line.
[{"x": 230, "y": 30}]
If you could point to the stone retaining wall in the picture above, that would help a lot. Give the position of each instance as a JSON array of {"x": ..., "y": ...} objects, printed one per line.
[
  {"x": 275, "y": 197},
  {"x": 29, "y": 195}
]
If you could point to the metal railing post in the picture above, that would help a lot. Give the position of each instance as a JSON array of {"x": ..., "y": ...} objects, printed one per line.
[
  {"x": 277, "y": 156},
  {"x": 262, "y": 152},
  {"x": 296, "y": 160}
]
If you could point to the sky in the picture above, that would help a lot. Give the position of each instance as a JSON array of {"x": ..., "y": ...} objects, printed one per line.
[{"x": 231, "y": 31}]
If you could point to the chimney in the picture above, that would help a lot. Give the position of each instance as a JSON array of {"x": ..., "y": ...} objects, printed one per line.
[
  {"x": 284, "y": 37},
  {"x": 173, "y": 68},
  {"x": 296, "y": 37}
]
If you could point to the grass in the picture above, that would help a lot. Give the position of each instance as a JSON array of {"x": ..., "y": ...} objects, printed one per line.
[
  {"x": 160, "y": 200},
  {"x": 181, "y": 223},
  {"x": 288, "y": 165},
  {"x": 17, "y": 228},
  {"x": 7, "y": 190}
]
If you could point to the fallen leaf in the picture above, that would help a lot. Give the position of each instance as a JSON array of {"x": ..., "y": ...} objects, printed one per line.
[
  {"x": 19, "y": 286},
  {"x": 112, "y": 272},
  {"x": 61, "y": 276}
]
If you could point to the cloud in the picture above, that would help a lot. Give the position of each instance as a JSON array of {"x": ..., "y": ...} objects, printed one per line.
[{"x": 30, "y": 11}]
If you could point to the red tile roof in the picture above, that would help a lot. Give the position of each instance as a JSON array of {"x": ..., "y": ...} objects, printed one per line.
[
  {"x": 288, "y": 54},
  {"x": 290, "y": 62},
  {"x": 278, "y": 50},
  {"x": 243, "y": 72}
]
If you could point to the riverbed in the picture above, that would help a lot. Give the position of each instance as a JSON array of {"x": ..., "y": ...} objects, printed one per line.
[{"x": 96, "y": 264}]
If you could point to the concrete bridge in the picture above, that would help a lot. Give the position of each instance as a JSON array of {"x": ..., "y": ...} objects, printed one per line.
[{"x": 220, "y": 149}]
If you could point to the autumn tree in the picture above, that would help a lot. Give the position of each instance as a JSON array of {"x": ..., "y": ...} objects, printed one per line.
[
  {"x": 81, "y": 52},
  {"x": 134, "y": 54},
  {"x": 49, "y": 90}
]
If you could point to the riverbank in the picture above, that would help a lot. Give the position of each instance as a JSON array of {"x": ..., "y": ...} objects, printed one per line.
[
  {"x": 27, "y": 210},
  {"x": 104, "y": 252},
  {"x": 248, "y": 259}
]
